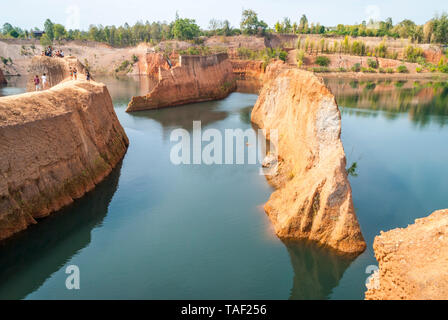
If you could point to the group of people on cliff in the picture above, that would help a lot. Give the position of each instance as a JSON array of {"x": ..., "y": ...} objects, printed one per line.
[
  {"x": 42, "y": 82},
  {"x": 49, "y": 52}
]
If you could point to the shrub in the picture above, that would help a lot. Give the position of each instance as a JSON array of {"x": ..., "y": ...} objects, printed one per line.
[
  {"x": 382, "y": 70},
  {"x": 321, "y": 69},
  {"x": 300, "y": 56},
  {"x": 356, "y": 67},
  {"x": 342, "y": 69},
  {"x": 283, "y": 55},
  {"x": 372, "y": 63},
  {"x": 443, "y": 68},
  {"x": 402, "y": 69},
  {"x": 413, "y": 53},
  {"x": 322, "y": 61},
  {"x": 390, "y": 70},
  {"x": 134, "y": 58},
  {"x": 368, "y": 70},
  {"x": 418, "y": 69}
]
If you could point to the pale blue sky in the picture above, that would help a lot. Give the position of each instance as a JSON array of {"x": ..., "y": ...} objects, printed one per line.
[{"x": 82, "y": 13}]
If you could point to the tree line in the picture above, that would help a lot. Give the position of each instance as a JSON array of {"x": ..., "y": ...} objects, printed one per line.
[{"x": 434, "y": 31}]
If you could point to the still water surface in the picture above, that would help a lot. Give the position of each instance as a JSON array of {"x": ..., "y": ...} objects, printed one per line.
[{"x": 153, "y": 230}]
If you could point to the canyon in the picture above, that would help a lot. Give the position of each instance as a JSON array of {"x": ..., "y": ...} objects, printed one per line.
[
  {"x": 313, "y": 199},
  {"x": 56, "y": 145},
  {"x": 413, "y": 261},
  {"x": 195, "y": 79}
]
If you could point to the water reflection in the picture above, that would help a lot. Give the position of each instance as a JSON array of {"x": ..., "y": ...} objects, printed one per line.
[
  {"x": 425, "y": 101},
  {"x": 317, "y": 270},
  {"x": 183, "y": 116},
  {"x": 15, "y": 85},
  {"x": 32, "y": 256}
]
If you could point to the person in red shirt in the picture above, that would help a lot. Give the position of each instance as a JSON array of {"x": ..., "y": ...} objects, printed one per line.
[{"x": 37, "y": 82}]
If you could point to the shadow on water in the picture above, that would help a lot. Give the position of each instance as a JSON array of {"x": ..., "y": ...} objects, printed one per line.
[
  {"x": 317, "y": 270},
  {"x": 32, "y": 256}
]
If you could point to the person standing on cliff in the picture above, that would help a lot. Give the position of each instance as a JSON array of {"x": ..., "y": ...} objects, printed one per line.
[
  {"x": 75, "y": 74},
  {"x": 71, "y": 73},
  {"x": 37, "y": 82},
  {"x": 44, "y": 81},
  {"x": 88, "y": 75}
]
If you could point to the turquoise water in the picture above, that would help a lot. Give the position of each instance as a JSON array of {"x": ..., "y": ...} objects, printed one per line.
[{"x": 153, "y": 230}]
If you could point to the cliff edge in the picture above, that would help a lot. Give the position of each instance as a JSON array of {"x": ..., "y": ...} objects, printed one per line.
[
  {"x": 413, "y": 261},
  {"x": 195, "y": 79},
  {"x": 313, "y": 199},
  {"x": 2, "y": 78},
  {"x": 56, "y": 69},
  {"x": 55, "y": 145}
]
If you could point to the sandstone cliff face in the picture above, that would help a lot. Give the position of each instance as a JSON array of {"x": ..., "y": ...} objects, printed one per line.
[
  {"x": 2, "y": 78},
  {"x": 313, "y": 199},
  {"x": 413, "y": 261},
  {"x": 56, "y": 69},
  {"x": 149, "y": 64},
  {"x": 55, "y": 145},
  {"x": 248, "y": 73},
  {"x": 196, "y": 79}
]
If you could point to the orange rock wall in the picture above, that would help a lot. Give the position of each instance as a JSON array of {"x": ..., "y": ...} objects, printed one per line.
[
  {"x": 56, "y": 145},
  {"x": 149, "y": 63},
  {"x": 413, "y": 261},
  {"x": 56, "y": 69},
  {"x": 196, "y": 79},
  {"x": 313, "y": 199}
]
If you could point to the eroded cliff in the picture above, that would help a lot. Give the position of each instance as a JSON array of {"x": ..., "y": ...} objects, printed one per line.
[
  {"x": 313, "y": 199},
  {"x": 413, "y": 261},
  {"x": 2, "y": 78},
  {"x": 56, "y": 70},
  {"x": 55, "y": 145},
  {"x": 195, "y": 79}
]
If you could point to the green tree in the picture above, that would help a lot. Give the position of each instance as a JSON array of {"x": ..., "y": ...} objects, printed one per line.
[
  {"x": 185, "y": 29},
  {"x": 250, "y": 23},
  {"x": 303, "y": 26},
  {"x": 440, "y": 27},
  {"x": 59, "y": 31},
  {"x": 45, "y": 41},
  {"x": 48, "y": 27},
  {"x": 7, "y": 28}
]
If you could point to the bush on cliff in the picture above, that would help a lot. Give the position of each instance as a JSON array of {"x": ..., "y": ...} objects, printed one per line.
[
  {"x": 372, "y": 63},
  {"x": 402, "y": 69},
  {"x": 322, "y": 61},
  {"x": 356, "y": 67}
]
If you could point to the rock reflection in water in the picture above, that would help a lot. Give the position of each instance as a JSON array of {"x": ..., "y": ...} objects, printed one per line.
[
  {"x": 317, "y": 270},
  {"x": 183, "y": 116},
  {"x": 29, "y": 258}
]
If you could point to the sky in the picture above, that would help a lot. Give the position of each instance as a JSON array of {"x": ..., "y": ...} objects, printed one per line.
[{"x": 82, "y": 13}]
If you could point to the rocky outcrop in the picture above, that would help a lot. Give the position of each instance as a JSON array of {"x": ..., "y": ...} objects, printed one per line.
[
  {"x": 248, "y": 73},
  {"x": 313, "y": 199},
  {"x": 413, "y": 261},
  {"x": 196, "y": 79},
  {"x": 56, "y": 70},
  {"x": 2, "y": 78},
  {"x": 433, "y": 54},
  {"x": 56, "y": 145},
  {"x": 149, "y": 63}
]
